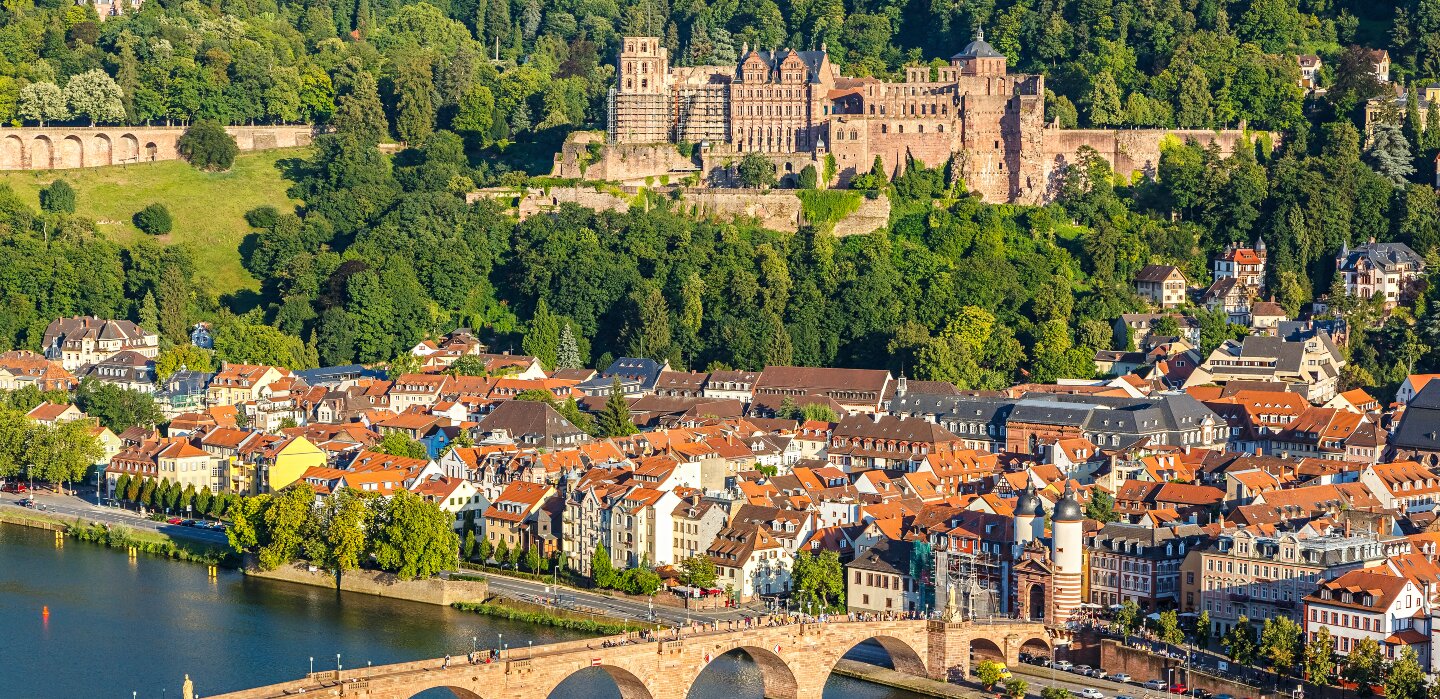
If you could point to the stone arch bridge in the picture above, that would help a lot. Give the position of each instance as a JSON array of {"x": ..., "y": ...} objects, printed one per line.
[
  {"x": 61, "y": 147},
  {"x": 794, "y": 660}
]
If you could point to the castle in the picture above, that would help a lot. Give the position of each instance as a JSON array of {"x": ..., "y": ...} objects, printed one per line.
[{"x": 795, "y": 108}]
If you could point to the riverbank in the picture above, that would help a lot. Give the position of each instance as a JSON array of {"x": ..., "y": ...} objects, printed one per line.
[
  {"x": 118, "y": 537},
  {"x": 436, "y": 591},
  {"x": 890, "y": 678},
  {"x": 502, "y": 608}
]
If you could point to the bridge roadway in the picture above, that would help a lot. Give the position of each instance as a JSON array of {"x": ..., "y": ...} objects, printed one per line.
[{"x": 794, "y": 660}]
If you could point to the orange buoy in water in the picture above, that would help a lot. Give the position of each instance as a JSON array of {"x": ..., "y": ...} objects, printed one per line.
[{"x": 45, "y": 611}]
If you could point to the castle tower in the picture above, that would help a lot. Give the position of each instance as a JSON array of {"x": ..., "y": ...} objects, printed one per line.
[
  {"x": 1029, "y": 519},
  {"x": 1066, "y": 553},
  {"x": 639, "y": 104}
]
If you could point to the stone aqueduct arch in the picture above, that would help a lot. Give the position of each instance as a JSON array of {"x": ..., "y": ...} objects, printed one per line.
[
  {"x": 53, "y": 148},
  {"x": 795, "y": 662}
]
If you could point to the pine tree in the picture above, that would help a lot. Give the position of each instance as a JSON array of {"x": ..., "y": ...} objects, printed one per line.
[
  {"x": 1105, "y": 106},
  {"x": 615, "y": 418},
  {"x": 602, "y": 571},
  {"x": 1430, "y": 137},
  {"x": 567, "y": 356},
  {"x": 359, "y": 112},
  {"x": 542, "y": 337},
  {"x": 1389, "y": 153},
  {"x": 497, "y": 22}
]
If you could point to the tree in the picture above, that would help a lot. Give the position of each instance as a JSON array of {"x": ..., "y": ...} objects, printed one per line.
[
  {"x": 154, "y": 219},
  {"x": 121, "y": 486},
  {"x": 615, "y": 419},
  {"x": 699, "y": 571},
  {"x": 1101, "y": 507},
  {"x": 819, "y": 580},
  {"x": 42, "y": 102},
  {"x": 1105, "y": 107},
  {"x": 358, "y": 111},
  {"x": 533, "y": 561},
  {"x": 1055, "y": 693},
  {"x": 203, "y": 500},
  {"x": 58, "y": 198},
  {"x": 512, "y": 557},
  {"x": 397, "y": 444},
  {"x": 755, "y": 171},
  {"x": 286, "y": 516},
  {"x": 1364, "y": 664},
  {"x": 484, "y": 550},
  {"x": 989, "y": 673},
  {"x": 807, "y": 178},
  {"x": 1240, "y": 642},
  {"x": 344, "y": 518},
  {"x": 117, "y": 408},
  {"x": 542, "y": 335},
  {"x": 1320, "y": 657},
  {"x": 1168, "y": 628},
  {"x": 414, "y": 112},
  {"x": 96, "y": 96},
  {"x": 207, "y": 146},
  {"x": 475, "y": 113},
  {"x": 1127, "y": 618},
  {"x": 1406, "y": 679},
  {"x": 803, "y": 413},
  {"x": 567, "y": 356},
  {"x": 602, "y": 570},
  {"x": 1280, "y": 643},
  {"x": 247, "y": 523},
  {"x": 181, "y": 356},
  {"x": 1015, "y": 688},
  {"x": 1202, "y": 629},
  {"x": 468, "y": 548},
  {"x": 413, "y": 538},
  {"x": 502, "y": 553},
  {"x": 1389, "y": 153}
]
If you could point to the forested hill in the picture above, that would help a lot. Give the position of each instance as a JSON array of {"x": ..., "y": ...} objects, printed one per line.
[{"x": 1186, "y": 63}]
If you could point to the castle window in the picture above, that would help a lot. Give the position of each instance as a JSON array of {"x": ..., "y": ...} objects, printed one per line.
[
  {"x": 872, "y": 109},
  {"x": 854, "y": 136},
  {"x": 884, "y": 128},
  {"x": 900, "y": 128},
  {"x": 940, "y": 127},
  {"x": 922, "y": 128}
]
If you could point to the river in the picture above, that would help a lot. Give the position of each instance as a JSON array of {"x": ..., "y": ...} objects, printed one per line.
[{"x": 126, "y": 628}]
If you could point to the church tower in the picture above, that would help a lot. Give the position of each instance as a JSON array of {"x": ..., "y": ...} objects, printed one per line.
[{"x": 1066, "y": 552}]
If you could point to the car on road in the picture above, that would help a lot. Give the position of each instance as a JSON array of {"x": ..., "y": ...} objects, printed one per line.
[
  {"x": 1063, "y": 665},
  {"x": 1156, "y": 685},
  {"x": 1198, "y": 693},
  {"x": 187, "y": 523},
  {"x": 173, "y": 520},
  {"x": 1091, "y": 693},
  {"x": 1081, "y": 670},
  {"x": 1120, "y": 677}
]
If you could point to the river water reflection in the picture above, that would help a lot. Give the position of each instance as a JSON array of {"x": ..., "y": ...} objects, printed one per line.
[{"x": 118, "y": 626}]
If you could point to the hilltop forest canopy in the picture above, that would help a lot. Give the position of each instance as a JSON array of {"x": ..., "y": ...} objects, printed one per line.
[
  {"x": 502, "y": 69},
  {"x": 386, "y": 251}
]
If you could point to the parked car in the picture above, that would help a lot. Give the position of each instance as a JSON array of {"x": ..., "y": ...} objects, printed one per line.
[
  {"x": 1178, "y": 688},
  {"x": 13, "y": 488},
  {"x": 1063, "y": 665},
  {"x": 1028, "y": 658},
  {"x": 174, "y": 520},
  {"x": 1091, "y": 693},
  {"x": 1199, "y": 693},
  {"x": 1156, "y": 685},
  {"x": 1223, "y": 696},
  {"x": 1120, "y": 677},
  {"x": 1082, "y": 670},
  {"x": 1099, "y": 674}
]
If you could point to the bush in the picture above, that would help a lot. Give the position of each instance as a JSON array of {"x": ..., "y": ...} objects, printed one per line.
[
  {"x": 808, "y": 178},
  {"x": 153, "y": 219},
  {"x": 58, "y": 198},
  {"x": 207, "y": 146},
  {"x": 262, "y": 216}
]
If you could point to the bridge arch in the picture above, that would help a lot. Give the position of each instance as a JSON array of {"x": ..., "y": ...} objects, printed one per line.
[
  {"x": 982, "y": 649},
  {"x": 436, "y": 692},
  {"x": 626, "y": 683},
  {"x": 903, "y": 656},
  {"x": 778, "y": 679}
]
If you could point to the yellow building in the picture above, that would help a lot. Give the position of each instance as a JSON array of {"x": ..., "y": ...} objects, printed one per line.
[
  {"x": 284, "y": 461},
  {"x": 235, "y": 384}
]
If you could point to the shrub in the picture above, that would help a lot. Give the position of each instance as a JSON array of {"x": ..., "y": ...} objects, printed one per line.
[
  {"x": 153, "y": 219},
  {"x": 808, "y": 178},
  {"x": 262, "y": 216},
  {"x": 58, "y": 198},
  {"x": 207, "y": 146}
]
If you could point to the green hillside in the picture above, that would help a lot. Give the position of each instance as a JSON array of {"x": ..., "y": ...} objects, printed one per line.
[{"x": 208, "y": 208}]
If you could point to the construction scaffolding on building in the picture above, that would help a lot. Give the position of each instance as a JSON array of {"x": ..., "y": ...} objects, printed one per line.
[{"x": 977, "y": 580}]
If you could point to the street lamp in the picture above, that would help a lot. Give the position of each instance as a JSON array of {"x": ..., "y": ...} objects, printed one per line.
[
  {"x": 337, "y": 662},
  {"x": 312, "y": 664},
  {"x": 474, "y": 643}
]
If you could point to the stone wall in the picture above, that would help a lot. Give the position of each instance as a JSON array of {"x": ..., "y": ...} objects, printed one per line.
[
  {"x": 1144, "y": 666},
  {"x": 586, "y": 155},
  {"x": 776, "y": 209},
  {"x": 367, "y": 582},
  {"x": 1131, "y": 153},
  {"x": 55, "y": 148}
]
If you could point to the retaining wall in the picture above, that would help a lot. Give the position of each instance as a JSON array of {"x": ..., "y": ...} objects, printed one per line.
[
  {"x": 367, "y": 582},
  {"x": 64, "y": 147}
]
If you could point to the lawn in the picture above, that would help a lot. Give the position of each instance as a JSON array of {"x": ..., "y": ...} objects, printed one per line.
[{"x": 208, "y": 208}]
